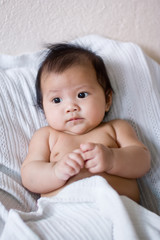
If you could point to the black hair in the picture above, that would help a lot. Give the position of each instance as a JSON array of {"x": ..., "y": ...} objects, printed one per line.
[{"x": 61, "y": 56}]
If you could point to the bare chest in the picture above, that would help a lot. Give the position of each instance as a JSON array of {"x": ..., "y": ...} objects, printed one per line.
[{"x": 66, "y": 143}]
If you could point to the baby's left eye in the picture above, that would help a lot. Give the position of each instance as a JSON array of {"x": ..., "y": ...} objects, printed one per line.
[{"x": 82, "y": 95}]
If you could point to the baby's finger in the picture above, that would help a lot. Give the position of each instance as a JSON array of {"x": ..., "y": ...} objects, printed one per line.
[
  {"x": 88, "y": 155},
  {"x": 87, "y": 146},
  {"x": 77, "y": 151},
  {"x": 77, "y": 158},
  {"x": 90, "y": 164},
  {"x": 72, "y": 169},
  {"x": 93, "y": 169}
]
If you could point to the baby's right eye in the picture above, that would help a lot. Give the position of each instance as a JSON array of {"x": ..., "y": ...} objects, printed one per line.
[{"x": 56, "y": 100}]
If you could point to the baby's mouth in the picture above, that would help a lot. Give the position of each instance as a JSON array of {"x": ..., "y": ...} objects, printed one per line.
[{"x": 75, "y": 119}]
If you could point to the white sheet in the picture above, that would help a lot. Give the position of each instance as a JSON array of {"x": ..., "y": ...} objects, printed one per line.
[
  {"x": 135, "y": 80},
  {"x": 86, "y": 209}
]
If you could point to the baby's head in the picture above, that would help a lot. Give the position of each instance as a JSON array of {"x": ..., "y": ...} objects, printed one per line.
[
  {"x": 73, "y": 88},
  {"x": 62, "y": 56}
]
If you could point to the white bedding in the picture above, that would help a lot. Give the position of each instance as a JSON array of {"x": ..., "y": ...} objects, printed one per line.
[
  {"x": 88, "y": 209},
  {"x": 136, "y": 82}
]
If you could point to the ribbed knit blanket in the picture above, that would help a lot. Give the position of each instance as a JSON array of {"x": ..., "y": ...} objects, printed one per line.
[{"x": 86, "y": 209}]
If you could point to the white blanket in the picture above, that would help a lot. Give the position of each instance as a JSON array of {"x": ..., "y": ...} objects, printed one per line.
[
  {"x": 136, "y": 82},
  {"x": 86, "y": 209}
]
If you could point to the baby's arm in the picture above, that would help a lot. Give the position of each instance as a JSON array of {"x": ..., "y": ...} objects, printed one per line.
[
  {"x": 130, "y": 160},
  {"x": 42, "y": 176}
]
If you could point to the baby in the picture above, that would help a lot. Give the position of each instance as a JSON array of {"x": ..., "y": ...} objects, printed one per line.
[{"x": 75, "y": 93}]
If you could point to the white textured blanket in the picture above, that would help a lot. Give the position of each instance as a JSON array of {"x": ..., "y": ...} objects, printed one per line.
[
  {"x": 88, "y": 209},
  {"x": 136, "y": 82}
]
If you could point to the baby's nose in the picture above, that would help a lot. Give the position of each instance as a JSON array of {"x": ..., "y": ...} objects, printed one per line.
[{"x": 72, "y": 108}]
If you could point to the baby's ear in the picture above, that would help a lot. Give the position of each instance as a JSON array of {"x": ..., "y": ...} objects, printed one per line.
[{"x": 108, "y": 99}]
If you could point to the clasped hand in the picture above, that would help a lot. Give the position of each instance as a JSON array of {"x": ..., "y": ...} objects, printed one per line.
[{"x": 95, "y": 157}]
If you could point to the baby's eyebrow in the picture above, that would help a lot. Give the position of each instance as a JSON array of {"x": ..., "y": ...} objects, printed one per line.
[
  {"x": 55, "y": 90},
  {"x": 84, "y": 86},
  {"x": 77, "y": 88},
  {"x": 51, "y": 92}
]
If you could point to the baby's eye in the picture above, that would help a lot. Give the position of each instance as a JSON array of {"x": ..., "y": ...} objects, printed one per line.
[
  {"x": 57, "y": 100},
  {"x": 82, "y": 95}
]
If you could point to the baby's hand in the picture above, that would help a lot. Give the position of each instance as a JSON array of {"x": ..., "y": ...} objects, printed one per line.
[
  {"x": 97, "y": 157},
  {"x": 69, "y": 165}
]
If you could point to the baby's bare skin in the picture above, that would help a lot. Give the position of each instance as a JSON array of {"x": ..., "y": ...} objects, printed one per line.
[{"x": 104, "y": 135}]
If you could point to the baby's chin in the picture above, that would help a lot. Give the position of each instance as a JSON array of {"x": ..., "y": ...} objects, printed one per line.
[{"x": 78, "y": 131}]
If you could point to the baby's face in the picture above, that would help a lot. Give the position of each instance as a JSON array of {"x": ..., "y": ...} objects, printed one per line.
[{"x": 73, "y": 101}]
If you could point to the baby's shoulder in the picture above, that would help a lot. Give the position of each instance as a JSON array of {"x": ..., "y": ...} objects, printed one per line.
[
  {"x": 45, "y": 132},
  {"x": 116, "y": 124},
  {"x": 121, "y": 127}
]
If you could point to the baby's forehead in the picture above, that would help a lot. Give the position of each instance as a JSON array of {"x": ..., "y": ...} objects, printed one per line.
[{"x": 46, "y": 72}]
